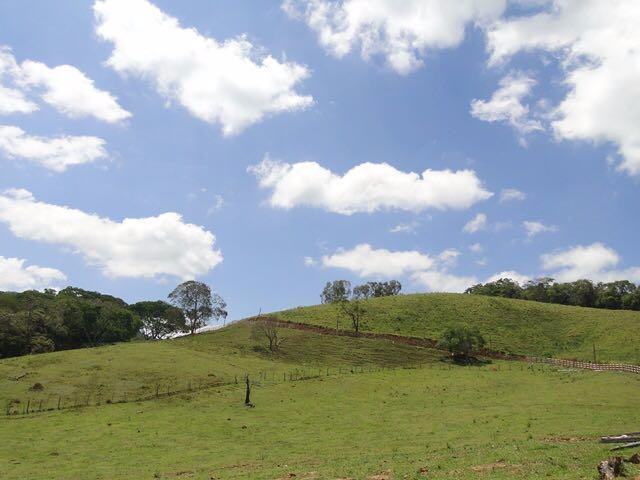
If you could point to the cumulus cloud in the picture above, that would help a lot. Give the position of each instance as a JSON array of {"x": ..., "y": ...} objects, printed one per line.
[
  {"x": 134, "y": 247},
  {"x": 430, "y": 272},
  {"x": 366, "y": 261},
  {"x": 505, "y": 105},
  {"x": 440, "y": 281},
  {"x": 54, "y": 153},
  {"x": 71, "y": 92},
  {"x": 401, "y": 32},
  {"x": 595, "y": 262},
  {"x": 597, "y": 45},
  {"x": 64, "y": 87},
  {"x": 510, "y": 274},
  {"x": 12, "y": 100},
  {"x": 15, "y": 276},
  {"x": 368, "y": 187},
  {"x": 511, "y": 195},
  {"x": 534, "y": 228},
  {"x": 227, "y": 82},
  {"x": 477, "y": 223}
]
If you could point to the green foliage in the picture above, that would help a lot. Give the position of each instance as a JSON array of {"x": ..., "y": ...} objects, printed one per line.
[
  {"x": 37, "y": 322},
  {"x": 336, "y": 291},
  {"x": 198, "y": 304},
  {"x": 377, "y": 289},
  {"x": 462, "y": 340},
  {"x": 159, "y": 319},
  {"x": 616, "y": 295}
]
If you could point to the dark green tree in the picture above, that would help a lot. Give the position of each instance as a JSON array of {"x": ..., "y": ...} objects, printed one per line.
[{"x": 198, "y": 304}]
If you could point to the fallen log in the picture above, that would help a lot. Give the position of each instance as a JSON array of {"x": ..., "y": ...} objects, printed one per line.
[
  {"x": 626, "y": 445},
  {"x": 622, "y": 438}
]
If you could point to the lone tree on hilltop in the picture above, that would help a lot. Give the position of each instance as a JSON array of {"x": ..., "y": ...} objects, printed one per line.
[
  {"x": 461, "y": 341},
  {"x": 263, "y": 328},
  {"x": 355, "y": 310},
  {"x": 198, "y": 304}
]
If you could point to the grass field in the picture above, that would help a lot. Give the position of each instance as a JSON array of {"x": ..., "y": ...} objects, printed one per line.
[
  {"x": 326, "y": 407},
  {"x": 515, "y": 326}
]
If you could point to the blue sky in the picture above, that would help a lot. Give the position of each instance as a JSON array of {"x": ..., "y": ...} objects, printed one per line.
[{"x": 490, "y": 96}]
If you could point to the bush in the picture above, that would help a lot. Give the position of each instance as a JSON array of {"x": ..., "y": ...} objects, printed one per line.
[{"x": 461, "y": 341}]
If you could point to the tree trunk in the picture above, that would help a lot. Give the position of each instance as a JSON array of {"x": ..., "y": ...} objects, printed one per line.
[{"x": 247, "y": 399}]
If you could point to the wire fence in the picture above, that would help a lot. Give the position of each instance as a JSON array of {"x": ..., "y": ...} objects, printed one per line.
[{"x": 598, "y": 367}]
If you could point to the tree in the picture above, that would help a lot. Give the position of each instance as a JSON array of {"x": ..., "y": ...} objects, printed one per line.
[
  {"x": 336, "y": 291},
  {"x": 197, "y": 303},
  {"x": 377, "y": 289},
  {"x": 159, "y": 319},
  {"x": 461, "y": 341},
  {"x": 263, "y": 328},
  {"x": 355, "y": 310},
  {"x": 538, "y": 289}
]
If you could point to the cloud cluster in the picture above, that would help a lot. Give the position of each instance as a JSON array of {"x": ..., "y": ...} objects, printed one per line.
[
  {"x": 597, "y": 45},
  {"x": 505, "y": 105},
  {"x": 368, "y": 187},
  {"x": 228, "y": 82},
  {"x": 366, "y": 261},
  {"x": 135, "y": 247},
  {"x": 477, "y": 223},
  {"x": 15, "y": 276},
  {"x": 428, "y": 271},
  {"x": 511, "y": 195},
  {"x": 596, "y": 262},
  {"x": 401, "y": 32},
  {"x": 534, "y": 228},
  {"x": 54, "y": 153},
  {"x": 64, "y": 87}
]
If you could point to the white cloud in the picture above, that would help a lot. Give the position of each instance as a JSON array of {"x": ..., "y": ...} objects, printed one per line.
[
  {"x": 134, "y": 247},
  {"x": 368, "y": 187},
  {"x": 427, "y": 271},
  {"x": 64, "y": 87},
  {"x": 12, "y": 100},
  {"x": 534, "y": 228},
  {"x": 405, "y": 228},
  {"x": 401, "y": 32},
  {"x": 511, "y": 195},
  {"x": 310, "y": 262},
  {"x": 15, "y": 276},
  {"x": 506, "y": 105},
  {"x": 595, "y": 262},
  {"x": 475, "y": 248},
  {"x": 54, "y": 153},
  {"x": 597, "y": 45},
  {"x": 511, "y": 274},
  {"x": 230, "y": 82},
  {"x": 71, "y": 92},
  {"x": 218, "y": 203},
  {"x": 449, "y": 256},
  {"x": 477, "y": 223},
  {"x": 439, "y": 281},
  {"x": 366, "y": 261}
]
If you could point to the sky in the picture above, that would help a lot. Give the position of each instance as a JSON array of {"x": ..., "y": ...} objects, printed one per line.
[{"x": 266, "y": 148}]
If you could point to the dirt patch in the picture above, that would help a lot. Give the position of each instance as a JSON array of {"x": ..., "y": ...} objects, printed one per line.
[
  {"x": 381, "y": 476},
  {"x": 568, "y": 439}
]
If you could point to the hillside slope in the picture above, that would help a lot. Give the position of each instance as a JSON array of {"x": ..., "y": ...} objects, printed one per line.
[{"x": 515, "y": 326}]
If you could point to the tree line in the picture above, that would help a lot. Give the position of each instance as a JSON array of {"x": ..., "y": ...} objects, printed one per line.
[
  {"x": 618, "y": 295},
  {"x": 38, "y": 322}
]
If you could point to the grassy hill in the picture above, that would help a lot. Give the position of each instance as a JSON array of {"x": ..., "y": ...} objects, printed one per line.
[
  {"x": 515, "y": 326},
  {"x": 326, "y": 407}
]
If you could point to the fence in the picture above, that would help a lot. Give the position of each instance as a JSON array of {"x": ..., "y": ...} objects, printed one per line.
[{"x": 598, "y": 367}]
